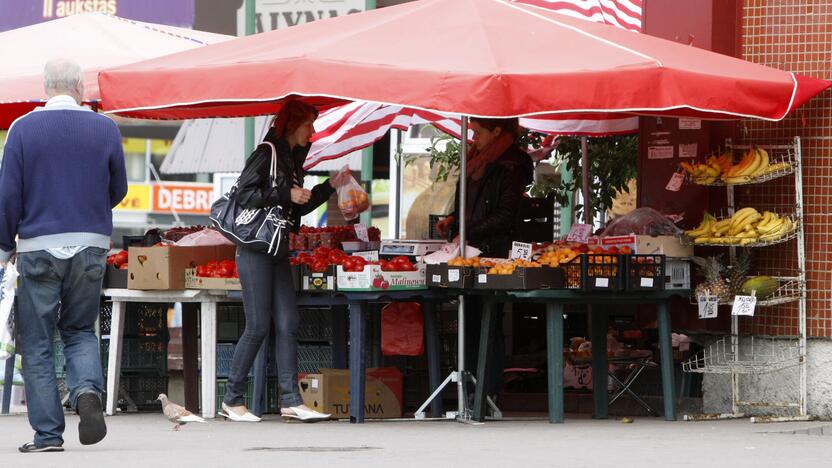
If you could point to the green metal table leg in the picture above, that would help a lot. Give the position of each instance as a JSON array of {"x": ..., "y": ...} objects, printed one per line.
[
  {"x": 598, "y": 335},
  {"x": 554, "y": 358},
  {"x": 666, "y": 352},
  {"x": 486, "y": 336}
]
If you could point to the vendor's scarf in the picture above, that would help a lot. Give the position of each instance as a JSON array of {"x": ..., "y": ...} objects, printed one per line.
[{"x": 478, "y": 161}]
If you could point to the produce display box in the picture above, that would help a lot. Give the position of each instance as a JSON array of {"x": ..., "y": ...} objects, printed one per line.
[
  {"x": 328, "y": 391},
  {"x": 373, "y": 279},
  {"x": 115, "y": 278},
  {"x": 446, "y": 276},
  {"x": 645, "y": 273},
  {"x": 318, "y": 281},
  {"x": 670, "y": 246},
  {"x": 522, "y": 279},
  {"x": 163, "y": 268},
  {"x": 192, "y": 281},
  {"x": 596, "y": 272}
]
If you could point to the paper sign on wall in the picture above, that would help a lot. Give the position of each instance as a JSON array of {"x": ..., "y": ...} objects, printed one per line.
[
  {"x": 675, "y": 182},
  {"x": 690, "y": 124},
  {"x": 521, "y": 250},
  {"x": 579, "y": 233},
  {"x": 660, "y": 152},
  {"x": 744, "y": 305},
  {"x": 687, "y": 150},
  {"x": 361, "y": 233},
  {"x": 708, "y": 306}
]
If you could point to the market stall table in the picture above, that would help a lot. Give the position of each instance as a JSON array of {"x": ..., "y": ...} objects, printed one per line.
[
  {"x": 208, "y": 300},
  {"x": 555, "y": 299}
]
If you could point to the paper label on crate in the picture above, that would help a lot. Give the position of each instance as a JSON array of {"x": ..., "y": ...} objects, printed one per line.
[
  {"x": 647, "y": 282},
  {"x": 361, "y": 232},
  {"x": 659, "y": 152},
  {"x": 521, "y": 250},
  {"x": 688, "y": 150},
  {"x": 686, "y": 123},
  {"x": 744, "y": 305},
  {"x": 437, "y": 278},
  {"x": 675, "y": 182},
  {"x": 315, "y": 384},
  {"x": 370, "y": 256},
  {"x": 708, "y": 306},
  {"x": 453, "y": 275},
  {"x": 482, "y": 278},
  {"x": 602, "y": 282},
  {"x": 579, "y": 233}
]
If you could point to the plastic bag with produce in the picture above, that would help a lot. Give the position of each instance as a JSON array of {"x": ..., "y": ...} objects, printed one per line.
[
  {"x": 643, "y": 221},
  {"x": 352, "y": 199}
]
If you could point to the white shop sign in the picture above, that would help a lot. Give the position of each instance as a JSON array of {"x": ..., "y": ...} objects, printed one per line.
[{"x": 280, "y": 14}]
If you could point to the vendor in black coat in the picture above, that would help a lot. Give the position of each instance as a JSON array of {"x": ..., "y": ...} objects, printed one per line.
[{"x": 498, "y": 174}]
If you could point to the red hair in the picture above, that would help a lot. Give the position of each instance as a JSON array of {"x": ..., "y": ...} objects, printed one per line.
[{"x": 292, "y": 115}]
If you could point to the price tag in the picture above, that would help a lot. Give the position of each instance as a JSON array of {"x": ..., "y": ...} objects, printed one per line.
[
  {"x": 675, "y": 182},
  {"x": 602, "y": 282},
  {"x": 453, "y": 275},
  {"x": 315, "y": 383},
  {"x": 647, "y": 282},
  {"x": 370, "y": 256},
  {"x": 482, "y": 278},
  {"x": 361, "y": 233},
  {"x": 708, "y": 306},
  {"x": 744, "y": 305},
  {"x": 579, "y": 233},
  {"x": 521, "y": 250}
]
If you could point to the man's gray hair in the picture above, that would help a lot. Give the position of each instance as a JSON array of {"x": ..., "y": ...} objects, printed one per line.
[{"x": 62, "y": 76}]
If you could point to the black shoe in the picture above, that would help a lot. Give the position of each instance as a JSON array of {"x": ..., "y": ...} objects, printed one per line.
[
  {"x": 92, "y": 428},
  {"x": 30, "y": 447}
]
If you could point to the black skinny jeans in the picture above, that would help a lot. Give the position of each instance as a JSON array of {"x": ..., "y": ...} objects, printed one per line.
[{"x": 268, "y": 299}]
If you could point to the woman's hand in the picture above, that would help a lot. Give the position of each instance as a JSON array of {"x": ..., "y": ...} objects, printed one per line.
[
  {"x": 444, "y": 225},
  {"x": 340, "y": 178},
  {"x": 300, "y": 195}
]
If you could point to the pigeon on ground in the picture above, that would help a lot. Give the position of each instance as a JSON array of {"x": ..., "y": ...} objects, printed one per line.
[{"x": 176, "y": 413}]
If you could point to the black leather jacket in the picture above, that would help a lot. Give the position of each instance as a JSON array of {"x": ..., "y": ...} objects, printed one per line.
[
  {"x": 493, "y": 222},
  {"x": 254, "y": 189}
]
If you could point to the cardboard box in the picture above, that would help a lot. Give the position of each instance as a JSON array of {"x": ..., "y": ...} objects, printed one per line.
[
  {"x": 192, "y": 281},
  {"x": 321, "y": 282},
  {"x": 115, "y": 278},
  {"x": 670, "y": 246},
  {"x": 329, "y": 392},
  {"x": 522, "y": 279},
  {"x": 163, "y": 268},
  {"x": 445, "y": 276},
  {"x": 373, "y": 279}
]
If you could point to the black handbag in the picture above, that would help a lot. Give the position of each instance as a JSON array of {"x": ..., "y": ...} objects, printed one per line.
[{"x": 260, "y": 229}]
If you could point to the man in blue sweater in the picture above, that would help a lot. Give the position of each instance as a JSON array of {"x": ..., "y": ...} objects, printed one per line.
[{"x": 61, "y": 175}]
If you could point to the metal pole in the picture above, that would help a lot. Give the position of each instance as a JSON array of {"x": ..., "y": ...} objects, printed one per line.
[
  {"x": 463, "y": 170},
  {"x": 251, "y": 11},
  {"x": 585, "y": 181}
]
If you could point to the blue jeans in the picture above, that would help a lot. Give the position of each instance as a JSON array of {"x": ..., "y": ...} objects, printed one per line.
[
  {"x": 269, "y": 300},
  {"x": 67, "y": 294}
]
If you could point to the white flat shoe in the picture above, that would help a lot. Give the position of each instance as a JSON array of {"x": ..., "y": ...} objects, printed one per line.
[
  {"x": 303, "y": 414},
  {"x": 230, "y": 414}
]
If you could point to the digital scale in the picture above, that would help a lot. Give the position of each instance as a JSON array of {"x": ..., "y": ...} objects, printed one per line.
[{"x": 411, "y": 248}]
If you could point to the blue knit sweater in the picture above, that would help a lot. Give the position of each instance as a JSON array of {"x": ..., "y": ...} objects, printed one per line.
[{"x": 61, "y": 175}]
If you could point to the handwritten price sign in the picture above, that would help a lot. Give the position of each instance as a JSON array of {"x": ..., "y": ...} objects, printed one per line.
[
  {"x": 521, "y": 250},
  {"x": 579, "y": 233},
  {"x": 744, "y": 305},
  {"x": 708, "y": 306},
  {"x": 361, "y": 233}
]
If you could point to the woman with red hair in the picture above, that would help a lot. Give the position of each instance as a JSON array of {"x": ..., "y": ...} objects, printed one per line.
[{"x": 268, "y": 292}]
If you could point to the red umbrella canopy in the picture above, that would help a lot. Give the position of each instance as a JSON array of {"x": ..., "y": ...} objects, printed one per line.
[
  {"x": 95, "y": 41},
  {"x": 474, "y": 57}
]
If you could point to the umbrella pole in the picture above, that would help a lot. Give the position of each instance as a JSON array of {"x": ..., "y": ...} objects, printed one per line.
[
  {"x": 462, "y": 399},
  {"x": 585, "y": 181}
]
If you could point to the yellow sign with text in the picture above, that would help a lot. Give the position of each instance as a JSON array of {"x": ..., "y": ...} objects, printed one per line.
[{"x": 138, "y": 199}]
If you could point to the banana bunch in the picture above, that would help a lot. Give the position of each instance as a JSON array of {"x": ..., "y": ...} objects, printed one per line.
[
  {"x": 747, "y": 226},
  {"x": 754, "y": 164},
  {"x": 709, "y": 171}
]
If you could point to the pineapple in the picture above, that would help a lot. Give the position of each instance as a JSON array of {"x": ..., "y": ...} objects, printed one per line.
[
  {"x": 739, "y": 272},
  {"x": 714, "y": 284}
]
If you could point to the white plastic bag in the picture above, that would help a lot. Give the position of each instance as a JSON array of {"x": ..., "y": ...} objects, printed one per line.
[
  {"x": 206, "y": 236},
  {"x": 8, "y": 284}
]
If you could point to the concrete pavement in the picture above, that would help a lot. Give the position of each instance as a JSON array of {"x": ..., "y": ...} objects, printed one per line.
[{"x": 147, "y": 440}]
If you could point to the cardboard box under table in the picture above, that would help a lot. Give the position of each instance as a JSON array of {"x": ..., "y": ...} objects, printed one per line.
[
  {"x": 329, "y": 392},
  {"x": 163, "y": 268}
]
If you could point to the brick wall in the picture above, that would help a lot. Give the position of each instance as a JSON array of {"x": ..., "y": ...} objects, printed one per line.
[{"x": 795, "y": 35}]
